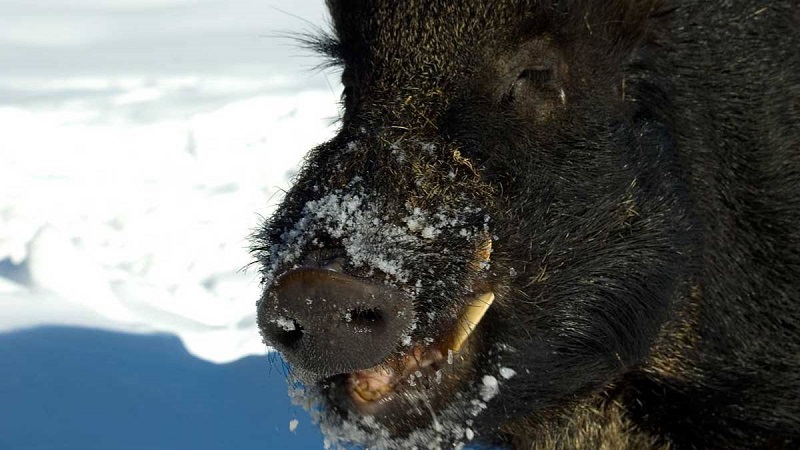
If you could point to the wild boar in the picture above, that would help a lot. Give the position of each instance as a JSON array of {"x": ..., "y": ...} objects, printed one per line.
[{"x": 548, "y": 224}]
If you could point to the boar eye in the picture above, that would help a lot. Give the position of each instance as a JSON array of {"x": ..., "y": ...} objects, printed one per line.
[
  {"x": 539, "y": 77},
  {"x": 533, "y": 79},
  {"x": 536, "y": 93},
  {"x": 533, "y": 84}
]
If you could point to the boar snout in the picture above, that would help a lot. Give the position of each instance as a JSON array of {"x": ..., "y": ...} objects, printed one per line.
[{"x": 327, "y": 322}]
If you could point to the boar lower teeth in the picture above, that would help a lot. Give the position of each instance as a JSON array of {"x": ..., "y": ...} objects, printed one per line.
[
  {"x": 472, "y": 314},
  {"x": 368, "y": 393}
]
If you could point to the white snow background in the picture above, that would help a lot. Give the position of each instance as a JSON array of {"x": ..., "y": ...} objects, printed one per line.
[{"x": 141, "y": 141}]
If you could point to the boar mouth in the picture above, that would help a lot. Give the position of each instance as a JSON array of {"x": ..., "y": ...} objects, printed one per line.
[{"x": 371, "y": 391}]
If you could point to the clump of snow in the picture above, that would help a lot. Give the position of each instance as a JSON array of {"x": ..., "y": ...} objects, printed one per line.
[
  {"x": 429, "y": 148},
  {"x": 489, "y": 388},
  {"x": 451, "y": 427},
  {"x": 429, "y": 232},
  {"x": 507, "y": 373},
  {"x": 470, "y": 435},
  {"x": 430, "y": 225},
  {"x": 413, "y": 223},
  {"x": 284, "y": 323}
]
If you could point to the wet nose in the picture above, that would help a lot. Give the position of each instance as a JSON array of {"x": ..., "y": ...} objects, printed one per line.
[{"x": 328, "y": 322}]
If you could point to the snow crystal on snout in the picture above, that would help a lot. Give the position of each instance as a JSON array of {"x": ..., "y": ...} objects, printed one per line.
[
  {"x": 470, "y": 435},
  {"x": 371, "y": 239},
  {"x": 489, "y": 388},
  {"x": 507, "y": 373},
  {"x": 284, "y": 323},
  {"x": 415, "y": 221},
  {"x": 429, "y": 232},
  {"x": 429, "y": 226},
  {"x": 353, "y": 219}
]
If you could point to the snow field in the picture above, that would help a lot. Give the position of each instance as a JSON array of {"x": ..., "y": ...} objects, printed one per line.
[{"x": 142, "y": 226}]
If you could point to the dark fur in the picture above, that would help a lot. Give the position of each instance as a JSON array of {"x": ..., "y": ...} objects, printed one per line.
[{"x": 646, "y": 232}]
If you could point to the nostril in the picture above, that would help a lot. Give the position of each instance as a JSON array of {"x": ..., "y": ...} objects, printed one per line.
[{"x": 367, "y": 319}]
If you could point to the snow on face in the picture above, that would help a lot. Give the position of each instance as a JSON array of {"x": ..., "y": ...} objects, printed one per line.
[
  {"x": 489, "y": 388},
  {"x": 354, "y": 218},
  {"x": 453, "y": 427},
  {"x": 351, "y": 219},
  {"x": 389, "y": 242}
]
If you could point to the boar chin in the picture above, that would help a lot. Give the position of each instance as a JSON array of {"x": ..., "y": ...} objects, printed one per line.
[{"x": 425, "y": 397}]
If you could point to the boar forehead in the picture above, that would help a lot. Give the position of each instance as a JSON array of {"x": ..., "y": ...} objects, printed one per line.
[
  {"x": 434, "y": 51},
  {"x": 420, "y": 40}
]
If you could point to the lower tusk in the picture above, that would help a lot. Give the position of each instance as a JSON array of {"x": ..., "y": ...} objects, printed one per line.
[{"x": 472, "y": 315}]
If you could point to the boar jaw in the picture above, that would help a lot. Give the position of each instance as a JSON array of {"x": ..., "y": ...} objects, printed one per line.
[{"x": 372, "y": 388}]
